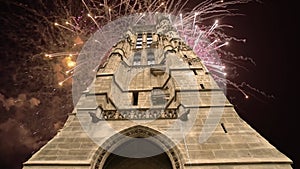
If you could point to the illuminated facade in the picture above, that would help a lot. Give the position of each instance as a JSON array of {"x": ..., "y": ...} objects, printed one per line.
[{"x": 153, "y": 104}]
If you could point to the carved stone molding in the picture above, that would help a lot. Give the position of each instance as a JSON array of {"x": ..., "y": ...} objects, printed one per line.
[
  {"x": 133, "y": 114},
  {"x": 137, "y": 132}
]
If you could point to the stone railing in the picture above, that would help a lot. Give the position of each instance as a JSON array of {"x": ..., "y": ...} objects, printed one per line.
[{"x": 134, "y": 114}]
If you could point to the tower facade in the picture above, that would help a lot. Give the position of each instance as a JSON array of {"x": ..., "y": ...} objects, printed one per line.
[{"x": 154, "y": 104}]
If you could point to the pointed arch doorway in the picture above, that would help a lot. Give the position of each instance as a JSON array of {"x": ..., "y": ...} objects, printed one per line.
[{"x": 138, "y": 147}]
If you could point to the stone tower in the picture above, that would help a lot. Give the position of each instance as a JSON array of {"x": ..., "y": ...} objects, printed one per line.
[{"x": 153, "y": 104}]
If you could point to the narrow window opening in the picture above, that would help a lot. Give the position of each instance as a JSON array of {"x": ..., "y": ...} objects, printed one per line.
[
  {"x": 223, "y": 127},
  {"x": 137, "y": 59},
  {"x": 195, "y": 72},
  {"x": 150, "y": 58},
  {"x": 189, "y": 63},
  {"x": 135, "y": 96},
  {"x": 139, "y": 41},
  {"x": 202, "y": 86},
  {"x": 149, "y": 39}
]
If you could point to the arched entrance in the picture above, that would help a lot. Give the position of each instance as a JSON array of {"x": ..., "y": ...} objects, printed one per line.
[{"x": 138, "y": 147}]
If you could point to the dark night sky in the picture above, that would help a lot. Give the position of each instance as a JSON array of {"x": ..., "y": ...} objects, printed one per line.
[{"x": 270, "y": 29}]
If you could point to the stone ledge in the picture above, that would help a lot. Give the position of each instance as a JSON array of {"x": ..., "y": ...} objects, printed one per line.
[
  {"x": 59, "y": 163},
  {"x": 244, "y": 161}
]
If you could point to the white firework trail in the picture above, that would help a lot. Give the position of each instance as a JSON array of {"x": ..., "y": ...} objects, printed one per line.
[{"x": 70, "y": 24}]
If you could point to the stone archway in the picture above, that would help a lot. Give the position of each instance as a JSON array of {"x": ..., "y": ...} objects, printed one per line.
[
  {"x": 139, "y": 148},
  {"x": 127, "y": 141}
]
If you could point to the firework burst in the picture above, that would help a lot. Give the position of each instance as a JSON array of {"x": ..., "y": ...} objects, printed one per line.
[
  {"x": 59, "y": 29},
  {"x": 43, "y": 41},
  {"x": 193, "y": 25}
]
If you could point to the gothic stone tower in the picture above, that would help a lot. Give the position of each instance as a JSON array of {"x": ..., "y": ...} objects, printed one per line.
[{"x": 153, "y": 104}]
